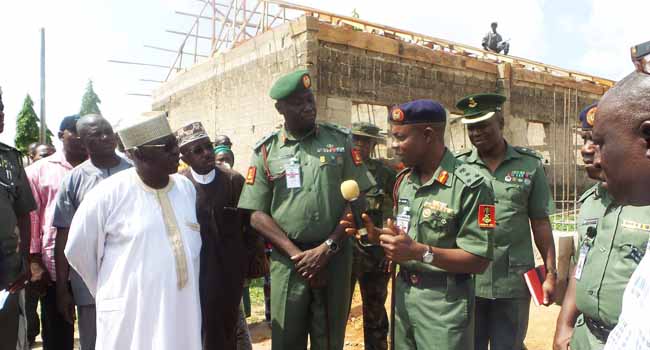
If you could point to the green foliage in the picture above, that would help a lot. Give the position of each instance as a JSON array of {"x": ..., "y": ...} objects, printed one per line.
[
  {"x": 89, "y": 101},
  {"x": 27, "y": 126}
]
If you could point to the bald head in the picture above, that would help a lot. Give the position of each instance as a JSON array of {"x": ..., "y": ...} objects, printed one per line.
[
  {"x": 622, "y": 134},
  {"x": 97, "y": 136}
]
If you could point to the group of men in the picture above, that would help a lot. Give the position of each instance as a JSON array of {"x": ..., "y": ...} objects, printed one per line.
[{"x": 159, "y": 259}]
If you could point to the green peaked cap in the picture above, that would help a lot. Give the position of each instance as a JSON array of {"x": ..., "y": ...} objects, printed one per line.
[
  {"x": 290, "y": 83},
  {"x": 479, "y": 107}
]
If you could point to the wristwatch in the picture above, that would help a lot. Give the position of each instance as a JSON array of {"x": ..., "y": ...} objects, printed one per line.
[
  {"x": 427, "y": 258},
  {"x": 332, "y": 245}
]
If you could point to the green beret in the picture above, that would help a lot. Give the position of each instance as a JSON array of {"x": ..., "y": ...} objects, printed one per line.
[
  {"x": 479, "y": 107},
  {"x": 290, "y": 83},
  {"x": 366, "y": 130}
]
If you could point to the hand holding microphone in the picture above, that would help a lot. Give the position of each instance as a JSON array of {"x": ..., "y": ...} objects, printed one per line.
[{"x": 365, "y": 230}]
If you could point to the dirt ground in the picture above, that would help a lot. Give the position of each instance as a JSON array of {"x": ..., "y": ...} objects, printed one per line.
[{"x": 540, "y": 328}]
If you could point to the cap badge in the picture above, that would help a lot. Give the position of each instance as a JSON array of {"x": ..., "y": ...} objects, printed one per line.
[
  {"x": 306, "y": 81},
  {"x": 591, "y": 116},
  {"x": 472, "y": 103},
  {"x": 397, "y": 115}
]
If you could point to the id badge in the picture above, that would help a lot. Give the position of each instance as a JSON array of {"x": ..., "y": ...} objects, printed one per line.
[
  {"x": 584, "y": 250},
  {"x": 292, "y": 171},
  {"x": 403, "y": 219}
]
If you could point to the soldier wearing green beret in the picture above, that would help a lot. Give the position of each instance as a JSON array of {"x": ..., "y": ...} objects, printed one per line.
[
  {"x": 612, "y": 241},
  {"x": 523, "y": 201},
  {"x": 370, "y": 266},
  {"x": 444, "y": 217},
  {"x": 292, "y": 187}
]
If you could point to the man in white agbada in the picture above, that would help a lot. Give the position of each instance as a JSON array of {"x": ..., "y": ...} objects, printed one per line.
[{"x": 135, "y": 241}]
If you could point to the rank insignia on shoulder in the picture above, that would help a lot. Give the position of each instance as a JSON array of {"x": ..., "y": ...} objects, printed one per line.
[
  {"x": 250, "y": 175},
  {"x": 356, "y": 156},
  {"x": 487, "y": 216},
  {"x": 443, "y": 176}
]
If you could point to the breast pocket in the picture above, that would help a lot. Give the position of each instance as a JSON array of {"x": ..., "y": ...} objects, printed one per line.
[
  {"x": 517, "y": 194},
  {"x": 330, "y": 170},
  {"x": 434, "y": 225}
]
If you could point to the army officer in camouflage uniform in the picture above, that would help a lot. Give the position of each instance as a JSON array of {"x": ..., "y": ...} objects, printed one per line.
[
  {"x": 612, "y": 241},
  {"x": 370, "y": 266},
  {"x": 293, "y": 187},
  {"x": 445, "y": 215},
  {"x": 523, "y": 201}
]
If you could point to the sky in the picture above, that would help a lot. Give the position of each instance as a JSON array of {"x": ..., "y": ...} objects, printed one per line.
[{"x": 591, "y": 36}]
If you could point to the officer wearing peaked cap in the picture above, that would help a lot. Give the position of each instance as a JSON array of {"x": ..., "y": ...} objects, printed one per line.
[
  {"x": 612, "y": 241},
  {"x": 523, "y": 200},
  {"x": 441, "y": 235},
  {"x": 292, "y": 187}
]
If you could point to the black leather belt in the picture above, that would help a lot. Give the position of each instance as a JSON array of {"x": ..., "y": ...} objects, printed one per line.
[
  {"x": 429, "y": 279},
  {"x": 598, "y": 329}
]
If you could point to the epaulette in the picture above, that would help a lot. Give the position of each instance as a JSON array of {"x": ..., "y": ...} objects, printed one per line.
[
  {"x": 588, "y": 193},
  {"x": 468, "y": 175},
  {"x": 265, "y": 139},
  {"x": 461, "y": 153},
  {"x": 528, "y": 152},
  {"x": 336, "y": 127}
]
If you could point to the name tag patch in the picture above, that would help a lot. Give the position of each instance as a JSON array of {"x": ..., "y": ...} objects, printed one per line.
[{"x": 250, "y": 175}]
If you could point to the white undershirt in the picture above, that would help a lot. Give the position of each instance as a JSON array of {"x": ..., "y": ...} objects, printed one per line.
[{"x": 203, "y": 179}]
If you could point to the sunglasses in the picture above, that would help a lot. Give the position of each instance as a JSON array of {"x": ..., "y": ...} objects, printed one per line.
[{"x": 641, "y": 57}]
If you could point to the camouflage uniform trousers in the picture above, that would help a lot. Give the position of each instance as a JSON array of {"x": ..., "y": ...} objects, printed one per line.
[{"x": 373, "y": 282}]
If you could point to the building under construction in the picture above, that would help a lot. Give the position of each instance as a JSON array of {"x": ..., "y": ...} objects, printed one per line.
[{"x": 358, "y": 70}]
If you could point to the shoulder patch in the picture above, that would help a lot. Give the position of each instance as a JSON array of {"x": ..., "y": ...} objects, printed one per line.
[
  {"x": 265, "y": 139},
  {"x": 528, "y": 152},
  {"x": 336, "y": 127},
  {"x": 462, "y": 153},
  {"x": 468, "y": 175},
  {"x": 588, "y": 193}
]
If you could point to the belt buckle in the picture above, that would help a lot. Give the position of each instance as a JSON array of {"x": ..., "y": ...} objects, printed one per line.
[{"x": 414, "y": 278}]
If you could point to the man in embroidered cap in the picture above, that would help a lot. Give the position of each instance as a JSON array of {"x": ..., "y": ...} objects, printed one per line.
[
  {"x": 442, "y": 235},
  {"x": 135, "y": 242},
  {"x": 370, "y": 266},
  {"x": 523, "y": 201},
  {"x": 224, "y": 255},
  {"x": 292, "y": 187}
]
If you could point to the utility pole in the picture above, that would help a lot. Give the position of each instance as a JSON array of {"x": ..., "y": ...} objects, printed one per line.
[{"x": 43, "y": 131}]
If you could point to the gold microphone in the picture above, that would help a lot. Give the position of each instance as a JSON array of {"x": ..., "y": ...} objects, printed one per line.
[{"x": 350, "y": 192}]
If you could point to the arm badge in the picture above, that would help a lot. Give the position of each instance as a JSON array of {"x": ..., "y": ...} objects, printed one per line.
[{"x": 487, "y": 216}]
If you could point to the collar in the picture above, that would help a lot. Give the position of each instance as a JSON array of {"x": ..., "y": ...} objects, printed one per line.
[
  {"x": 443, "y": 174},
  {"x": 146, "y": 188},
  {"x": 511, "y": 153},
  {"x": 59, "y": 158},
  {"x": 203, "y": 179},
  {"x": 288, "y": 137}
]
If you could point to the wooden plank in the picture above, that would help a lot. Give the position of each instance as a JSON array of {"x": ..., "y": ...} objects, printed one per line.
[
  {"x": 358, "y": 39},
  {"x": 482, "y": 66}
]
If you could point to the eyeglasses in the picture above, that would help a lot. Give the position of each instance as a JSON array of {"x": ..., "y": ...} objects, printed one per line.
[{"x": 641, "y": 57}]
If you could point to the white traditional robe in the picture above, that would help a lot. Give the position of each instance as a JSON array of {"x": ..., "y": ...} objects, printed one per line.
[{"x": 134, "y": 261}]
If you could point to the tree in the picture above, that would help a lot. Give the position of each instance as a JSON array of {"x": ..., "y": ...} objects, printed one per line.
[
  {"x": 27, "y": 126},
  {"x": 89, "y": 101}
]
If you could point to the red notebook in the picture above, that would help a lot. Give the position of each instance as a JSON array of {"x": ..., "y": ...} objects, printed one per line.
[{"x": 534, "y": 279}]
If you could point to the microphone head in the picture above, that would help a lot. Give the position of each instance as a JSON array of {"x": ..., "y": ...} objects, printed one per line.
[{"x": 350, "y": 190}]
